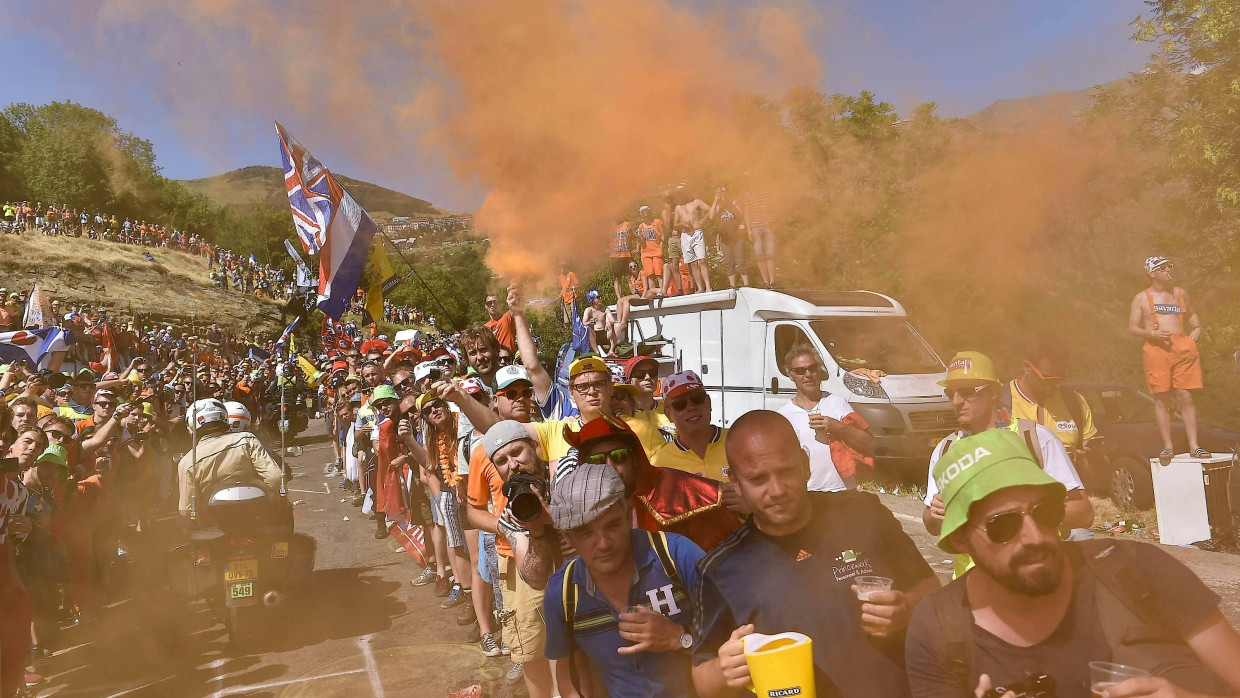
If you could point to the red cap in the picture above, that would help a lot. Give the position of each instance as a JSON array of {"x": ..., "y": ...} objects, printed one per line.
[
  {"x": 374, "y": 345},
  {"x": 599, "y": 428},
  {"x": 678, "y": 384},
  {"x": 632, "y": 364}
]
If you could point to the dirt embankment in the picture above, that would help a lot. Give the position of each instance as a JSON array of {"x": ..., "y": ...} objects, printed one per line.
[{"x": 175, "y": 287}]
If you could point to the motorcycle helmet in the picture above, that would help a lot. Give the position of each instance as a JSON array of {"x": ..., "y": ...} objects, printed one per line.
[
  {"x": 238, "y": 416},
  {"x": 204, "y": 412}
]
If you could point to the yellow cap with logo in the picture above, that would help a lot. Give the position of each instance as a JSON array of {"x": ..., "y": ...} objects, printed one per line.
[
  {"x": 589, "y": 364},
  {"x": 970, "y": 367}
]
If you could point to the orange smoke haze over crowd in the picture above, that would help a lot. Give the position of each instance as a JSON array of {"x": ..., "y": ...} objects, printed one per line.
[{"x": 563, "y": 112}]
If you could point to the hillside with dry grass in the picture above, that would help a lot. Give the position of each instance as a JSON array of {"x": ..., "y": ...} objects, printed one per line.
[{"x": 174, "y": 288}]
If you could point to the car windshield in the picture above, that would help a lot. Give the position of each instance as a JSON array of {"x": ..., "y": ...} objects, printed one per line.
[
  {"x": 1119, "y": 404},
  {"x": 887, "y": 344}
]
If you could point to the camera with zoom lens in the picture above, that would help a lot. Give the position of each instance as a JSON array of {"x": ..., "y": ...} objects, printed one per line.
[
  {"x": 524, "y": 503},
  {"x": 1034, "y": 685}
]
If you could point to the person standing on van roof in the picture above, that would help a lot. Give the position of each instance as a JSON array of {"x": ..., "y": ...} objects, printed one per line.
[
  {"x": 834, "y": 436},
  {"x": 1161, "y": 316},
  {"x": 760, "y": 222},
  {"x": 973, "y": 389},
  {"x": 621, "y": 253},
  {"x": 1038, "y": 394},
  {"x": 691, "y": 212}
]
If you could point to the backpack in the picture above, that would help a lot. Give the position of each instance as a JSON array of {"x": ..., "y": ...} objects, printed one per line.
[
  {"x": 1028, "y": 430},
  {"x": 658, "y": 541},
  {"x": 1134, "y": 628},
  {"x": 1072, "y": 399}
]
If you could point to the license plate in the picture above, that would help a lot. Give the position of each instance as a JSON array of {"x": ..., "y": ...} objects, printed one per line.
[
  {"x": 279, "y": 550},
  {"x": 241, "y": 591},
  {"x": 241, "y": 569}
]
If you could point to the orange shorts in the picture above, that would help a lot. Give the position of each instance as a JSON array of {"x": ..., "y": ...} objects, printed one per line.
[
  {"x": 1176, "y": 365},
  {"x": 652, "y": 265}
]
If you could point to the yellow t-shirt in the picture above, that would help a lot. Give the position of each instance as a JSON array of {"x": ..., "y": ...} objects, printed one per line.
[
  {"x": 646, "y": 425},
  {"x": 714, "y": 465},
  {"x": 1054, "y": 415},
  {"x": 551, "y": 437}
]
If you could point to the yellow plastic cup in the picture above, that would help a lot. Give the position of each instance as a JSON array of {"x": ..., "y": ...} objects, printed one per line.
[{"x": 780, "y": 665}]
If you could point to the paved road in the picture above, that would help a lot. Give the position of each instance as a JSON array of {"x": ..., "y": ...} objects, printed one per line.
[{"x": 356, "y": 627}]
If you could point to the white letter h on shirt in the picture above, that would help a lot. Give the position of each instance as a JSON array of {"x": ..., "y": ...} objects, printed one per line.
[{"x": 663, "y": 597}]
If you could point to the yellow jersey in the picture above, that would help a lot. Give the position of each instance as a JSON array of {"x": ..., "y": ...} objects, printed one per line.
[
  {"x": 715, "y": 465},
  {"x": 1054, "y": 414},
  {"x": 646, "y": 425}
]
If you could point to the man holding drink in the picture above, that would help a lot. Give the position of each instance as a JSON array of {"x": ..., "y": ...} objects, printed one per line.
[{"x": 1035, "y": 607}]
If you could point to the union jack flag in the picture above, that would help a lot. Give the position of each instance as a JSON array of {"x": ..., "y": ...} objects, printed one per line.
[{"x": 310, "y": 191}]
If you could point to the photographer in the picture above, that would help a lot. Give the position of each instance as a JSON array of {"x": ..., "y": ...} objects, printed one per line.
[
  {"x": 1034, "y": 604},
  {"x": 534, "y": 545}
]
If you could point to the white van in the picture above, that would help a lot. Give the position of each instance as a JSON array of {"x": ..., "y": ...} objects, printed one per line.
[
  {"x": 736, "y": 340},
  {"x": 404, "y": 337}
]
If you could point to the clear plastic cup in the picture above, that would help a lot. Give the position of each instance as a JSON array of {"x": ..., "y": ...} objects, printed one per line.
[
  {"x": 1103, "y": 675},
  {"x": 869, "y": 584}
]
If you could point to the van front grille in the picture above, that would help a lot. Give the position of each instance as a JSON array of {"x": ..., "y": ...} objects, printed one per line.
[{"x": 933, "y": 420}]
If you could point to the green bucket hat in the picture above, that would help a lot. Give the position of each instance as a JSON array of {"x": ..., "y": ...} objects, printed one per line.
[
  {"x": 384, "y": 392},
  {"x": 976, "y": 467},
  {"x": 54, "y": 453}
]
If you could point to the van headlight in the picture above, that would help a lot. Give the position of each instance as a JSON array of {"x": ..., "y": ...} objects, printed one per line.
[{"x": 864, "y": 387}]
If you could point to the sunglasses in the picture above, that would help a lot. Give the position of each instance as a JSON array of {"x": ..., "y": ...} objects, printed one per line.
[
  {"x": 804, "y": 370},
  {"x": 697, "y": 397},
  {"x": 402, "y": 385},
  {"x": 616, "y": 455},
  {"x": 1039, "y": 374},
  {"x": 1165, "y": 267},
  {"x": 437, "y": 404},
  {"x": 515, "y": 394},
  {"x": 1047, "y": 514},
  {"x": 964, "y": 393},
  {"x": 645, "y": 373},
  {"x": 592, "y": 387},
  {"x": 54, "y": 434},
  {"x": 106, "y": 404}
]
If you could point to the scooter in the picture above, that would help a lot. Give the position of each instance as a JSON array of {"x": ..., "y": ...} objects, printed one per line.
[{"x": 242, "y": 557}]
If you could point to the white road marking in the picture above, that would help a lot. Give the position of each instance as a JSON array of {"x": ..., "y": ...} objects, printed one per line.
[
  {"x": 372, "y": 667},
  {"x": 290, "y": 489},
  {"x": 250, "y": 688}
]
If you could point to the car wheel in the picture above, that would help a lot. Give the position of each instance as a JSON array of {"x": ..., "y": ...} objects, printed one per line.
[{"x": 1132, "y": 486}]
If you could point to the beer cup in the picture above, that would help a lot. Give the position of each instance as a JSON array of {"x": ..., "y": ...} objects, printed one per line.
[{"x": 1103, "y": 675}]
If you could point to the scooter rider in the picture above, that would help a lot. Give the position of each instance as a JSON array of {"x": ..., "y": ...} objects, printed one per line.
[{"x": 223, "y": 457}]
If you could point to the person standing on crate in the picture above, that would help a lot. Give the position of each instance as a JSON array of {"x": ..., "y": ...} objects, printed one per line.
[{"x": 1161, "y": 315}]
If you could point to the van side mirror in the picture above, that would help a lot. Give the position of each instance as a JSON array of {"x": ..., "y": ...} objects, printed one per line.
[{"x": 774, "y": 386}]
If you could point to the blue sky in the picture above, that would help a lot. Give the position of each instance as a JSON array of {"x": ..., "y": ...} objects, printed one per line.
[{"x": 963, "y": 54}]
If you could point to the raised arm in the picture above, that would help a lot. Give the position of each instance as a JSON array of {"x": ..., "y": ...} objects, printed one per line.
[{"x": 525, "y": 344}]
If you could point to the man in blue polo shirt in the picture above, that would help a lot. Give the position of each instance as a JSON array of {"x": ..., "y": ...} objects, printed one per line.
[
  {"x": 623, "y": 603},
  {"x": 792, "y": 567}
]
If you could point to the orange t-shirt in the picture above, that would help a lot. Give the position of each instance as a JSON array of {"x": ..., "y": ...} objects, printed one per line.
[
  {"x": 505, "y": 330},
  {"x": 486, "y": 490},
  {"x": 651, "y": 237},
  {"x": 568, "y": 287}
]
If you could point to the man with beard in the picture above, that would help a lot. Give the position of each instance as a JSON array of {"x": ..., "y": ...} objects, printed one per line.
[
  {"x": 1035, "y": 604},
  {"x": 793, "y": 567}
]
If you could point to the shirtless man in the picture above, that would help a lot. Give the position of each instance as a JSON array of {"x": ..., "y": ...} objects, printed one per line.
[
  {"x": 689, "y": 215},
  {"x": 1160, "y": 315},
  {"x": 601, "y": 323}
]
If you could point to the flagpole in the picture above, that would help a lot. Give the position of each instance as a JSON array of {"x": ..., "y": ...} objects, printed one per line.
[{"x": 455, "y": 321}]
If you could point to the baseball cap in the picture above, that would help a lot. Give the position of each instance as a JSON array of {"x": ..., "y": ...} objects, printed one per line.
[
  {"x": 584, "y": 494},
  {"x": 970, "y": 367},
  {"x": 501, "y": 434},
  {"x": 589, "y": 364},
  {"x": 643, "y": 209},
  {"x": 508, "y": 375},
  {"x": 84, "y": 374},
  {"x": 592, "y": 295},
  {"x": 384, "y": 392},
  {"x": 976, "y": 467},
  {"x": 357, "y": 397},
  {"x": 633, "y": 362},
  {"x": 596, "y": 429},
  {"x": 678, "y": 384},
  {"x": 423, "y": 370},
  {"x": 1153, "y": 263},
  {"x": 54, "y": 453},
  {"x": 475, "y": 386}
]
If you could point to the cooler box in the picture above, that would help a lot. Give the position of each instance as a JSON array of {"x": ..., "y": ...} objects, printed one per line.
[{"x": 1190, "y": 494}]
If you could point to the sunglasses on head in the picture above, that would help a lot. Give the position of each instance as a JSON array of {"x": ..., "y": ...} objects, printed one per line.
[
  {"x": 697, "y": 397},
  {"x": 616, "y": 455},
  {"x": 517, "y": 393},
  {"x": 964, "y": 393},
  {"x": 1047, "y": 514}
]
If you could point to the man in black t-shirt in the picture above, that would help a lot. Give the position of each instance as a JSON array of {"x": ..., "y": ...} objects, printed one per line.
[
  {"x": 792, "y": 567},
  {"x": 1035, "y": 604},
  {"x": 732, "y": 238}
]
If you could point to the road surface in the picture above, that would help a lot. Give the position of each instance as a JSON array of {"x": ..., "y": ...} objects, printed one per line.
[{"x": 357, "y": 627}]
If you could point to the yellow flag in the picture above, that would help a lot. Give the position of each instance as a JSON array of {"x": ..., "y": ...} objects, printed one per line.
[
  {"x": 313, "y": 375},
  {"x": 379, "y": 272}
]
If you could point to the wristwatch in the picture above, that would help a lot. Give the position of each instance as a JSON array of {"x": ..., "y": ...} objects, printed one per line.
[{"x": 686, "y": 639}]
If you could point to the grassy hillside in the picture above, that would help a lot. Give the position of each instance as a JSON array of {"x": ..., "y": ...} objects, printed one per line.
[
  {"x": 1024, "y": 113},
  {"x": 242, "y": 188},
  {"x": 118, "y": 277}
]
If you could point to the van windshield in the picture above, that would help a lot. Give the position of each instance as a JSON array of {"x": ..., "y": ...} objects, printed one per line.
[{"x": 887, "y": 344}]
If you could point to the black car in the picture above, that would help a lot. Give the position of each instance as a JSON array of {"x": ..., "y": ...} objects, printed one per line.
[{"x": 1124, "y": 418}]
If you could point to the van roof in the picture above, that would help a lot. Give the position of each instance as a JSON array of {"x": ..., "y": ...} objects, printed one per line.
[{"x": 770, "y": 305}]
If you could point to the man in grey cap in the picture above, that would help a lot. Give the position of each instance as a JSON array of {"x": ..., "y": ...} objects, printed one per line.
[
  {"x": 534, "y": 542},
  {"x": 627, "y": 591}
]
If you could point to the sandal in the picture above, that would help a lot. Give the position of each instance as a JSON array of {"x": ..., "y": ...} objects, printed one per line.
[
  {"x": 1165, "y": 457},
  {"x": 1201, "y": 453}
]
